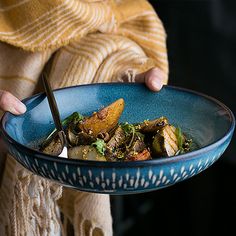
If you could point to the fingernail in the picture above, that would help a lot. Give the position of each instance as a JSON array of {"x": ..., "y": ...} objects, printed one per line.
[
  {"x": 156, "y": 84},
  {"x": 20, "y": 107}
]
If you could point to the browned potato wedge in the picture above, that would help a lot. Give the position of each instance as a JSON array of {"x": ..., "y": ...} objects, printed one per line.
[{"x": 104, "y": 120}]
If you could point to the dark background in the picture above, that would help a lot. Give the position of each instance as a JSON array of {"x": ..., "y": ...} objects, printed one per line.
[{"x": 202, "y": 56}]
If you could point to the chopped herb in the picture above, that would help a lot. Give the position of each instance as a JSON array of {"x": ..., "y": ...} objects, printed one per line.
[
  {"x": 74, "y": 117},
  {"x": 140, "y": 135},
  {"x": 100, "y": 145},
  {"x": 129, "y": 130}
]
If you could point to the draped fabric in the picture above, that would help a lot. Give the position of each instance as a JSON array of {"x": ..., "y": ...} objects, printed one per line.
[{"x": 92, "y": 41}]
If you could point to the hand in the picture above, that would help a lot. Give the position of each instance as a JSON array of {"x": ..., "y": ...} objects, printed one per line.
[
  {"x": 10, "y": 103},
  {"x": 153, "y": 78}
]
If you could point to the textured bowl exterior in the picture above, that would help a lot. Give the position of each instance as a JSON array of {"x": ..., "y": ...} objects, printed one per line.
[{"x": 200, "y": 114}]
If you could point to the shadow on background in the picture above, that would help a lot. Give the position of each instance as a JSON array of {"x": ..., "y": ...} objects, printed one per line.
[{"x": 202, "y": 56}]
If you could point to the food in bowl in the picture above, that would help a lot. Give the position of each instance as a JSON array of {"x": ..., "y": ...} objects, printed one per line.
[
  {"x": 207, "y": 121},
  {"x": 101, "y": 137}
]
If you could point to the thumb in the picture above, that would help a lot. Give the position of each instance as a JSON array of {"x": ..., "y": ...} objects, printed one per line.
[
  {"x": 153, "y": 78},
  {"x": 10, "y": 103}
]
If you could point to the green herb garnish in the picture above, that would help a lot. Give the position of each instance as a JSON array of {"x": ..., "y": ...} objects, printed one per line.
[
  {"x": 74, "y": 117},
  {"x": 129, "y": 130},
  {"x": 100, "y": 145}
]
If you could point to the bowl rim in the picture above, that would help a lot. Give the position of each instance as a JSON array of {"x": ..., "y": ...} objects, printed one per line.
[{"x": 159, "y": 161}]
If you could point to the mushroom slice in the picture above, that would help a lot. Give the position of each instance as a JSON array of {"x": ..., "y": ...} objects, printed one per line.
[
  {"x": 117, "y": 139},
  {"x": 53, "y": 146},
  {"x": 152, "y": 126},
  {"x": 72, "y": 136}
]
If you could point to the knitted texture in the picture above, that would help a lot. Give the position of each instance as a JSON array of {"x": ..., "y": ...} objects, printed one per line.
[{"x": 92, "y": 41}]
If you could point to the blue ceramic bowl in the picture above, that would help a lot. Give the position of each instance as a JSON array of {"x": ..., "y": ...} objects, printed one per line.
[{"x": 209, "y": 122}]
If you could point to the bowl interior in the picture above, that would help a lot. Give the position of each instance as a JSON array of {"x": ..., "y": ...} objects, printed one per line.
[{"x": 203, "y": 119}]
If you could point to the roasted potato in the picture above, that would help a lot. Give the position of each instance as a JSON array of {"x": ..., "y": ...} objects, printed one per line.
[
  {"x": 85, "y": 152},
  {"x": 104, "y": 120}
]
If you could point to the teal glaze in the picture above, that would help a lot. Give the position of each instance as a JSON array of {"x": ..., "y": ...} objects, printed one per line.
[{"x": 209, "y": 122}]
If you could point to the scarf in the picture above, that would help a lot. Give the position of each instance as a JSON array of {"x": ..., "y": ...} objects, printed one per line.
[{"x": 92, "y": 41}]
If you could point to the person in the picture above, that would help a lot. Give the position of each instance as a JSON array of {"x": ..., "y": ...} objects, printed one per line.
[{"x": 83, "y": 42}]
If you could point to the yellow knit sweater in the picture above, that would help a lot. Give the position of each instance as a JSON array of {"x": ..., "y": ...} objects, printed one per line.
[{"x": 93, "y": 41}]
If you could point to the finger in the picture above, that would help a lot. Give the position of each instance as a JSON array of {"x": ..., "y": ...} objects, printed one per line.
[
  {"x": 153, "y": 79},
  {"x": 10, "y": 103}
]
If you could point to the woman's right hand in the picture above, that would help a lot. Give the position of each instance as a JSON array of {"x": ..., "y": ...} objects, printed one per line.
[{"x": 9, "y": 102}]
